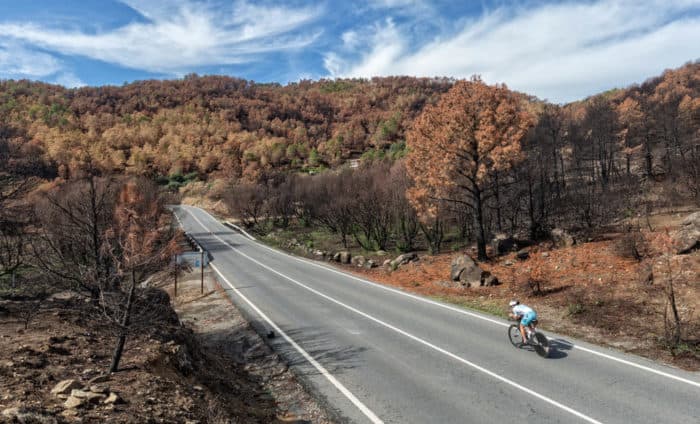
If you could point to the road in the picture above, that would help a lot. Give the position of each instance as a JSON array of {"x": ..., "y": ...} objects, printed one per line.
[{"x": 375, "y": 354}]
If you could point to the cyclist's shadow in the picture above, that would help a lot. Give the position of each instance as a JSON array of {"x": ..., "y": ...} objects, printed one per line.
[{"x": 558, "y": 348}]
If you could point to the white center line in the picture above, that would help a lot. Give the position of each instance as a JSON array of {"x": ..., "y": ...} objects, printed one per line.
[
  {"x": 410, "y": 336},
  {"x": 323, "y": 371},
  {"x": 475, "y": 315}
]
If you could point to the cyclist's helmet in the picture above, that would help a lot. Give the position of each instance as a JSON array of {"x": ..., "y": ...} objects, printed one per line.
[{"x": 513, "y": 303}]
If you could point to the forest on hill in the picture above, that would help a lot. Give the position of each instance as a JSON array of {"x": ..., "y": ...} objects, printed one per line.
[
  {"x": 579, "y": 165},
  {"x": 213, "y": 126},
  {"x": 231, "y": 128}
]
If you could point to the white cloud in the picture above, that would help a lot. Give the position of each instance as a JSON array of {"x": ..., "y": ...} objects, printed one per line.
[
  {"x": 68, "y": 79},
  {"x": 179, "y": 35},
  {"x": 19, "y": 62},
  {"x": 558, "y": 51},
  {"x": 408, "y": 7}
]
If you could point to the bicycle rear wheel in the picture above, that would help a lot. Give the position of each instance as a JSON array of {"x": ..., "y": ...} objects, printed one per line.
[
  {"x": 514, "y": 335},
  {"x": 541, "y": 344}
]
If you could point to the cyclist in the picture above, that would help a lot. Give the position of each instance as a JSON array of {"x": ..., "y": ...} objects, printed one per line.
[{"x": 525, "y": 314}]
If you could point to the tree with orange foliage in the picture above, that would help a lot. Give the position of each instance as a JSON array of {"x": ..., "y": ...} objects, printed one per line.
[
  {"x": 456, "y": 145},
  {"x": 631, "y": 119},
  {"x": 140, "y": 242}
]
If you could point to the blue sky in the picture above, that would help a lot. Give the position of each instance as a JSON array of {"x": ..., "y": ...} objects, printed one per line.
[{"x": 556, "y": 50}]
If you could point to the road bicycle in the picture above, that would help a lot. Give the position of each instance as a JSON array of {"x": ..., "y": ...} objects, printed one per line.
[{"x": 535, "y": 339}]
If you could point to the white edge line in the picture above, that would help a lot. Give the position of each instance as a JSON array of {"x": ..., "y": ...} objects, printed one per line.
[
  {"x": 404, "y": 333},
  {"x": 337, "y": 384},
  {"x": 472, "y": 314},
  {"x": 240, "y": 229}
]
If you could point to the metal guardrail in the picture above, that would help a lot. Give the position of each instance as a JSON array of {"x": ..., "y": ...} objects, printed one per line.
[{"x": 197, "y": 258}]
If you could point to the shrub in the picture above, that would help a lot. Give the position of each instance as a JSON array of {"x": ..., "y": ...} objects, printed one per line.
[
  {"x": 576, "y": 309},
  {"x": 633, "y": 245}
]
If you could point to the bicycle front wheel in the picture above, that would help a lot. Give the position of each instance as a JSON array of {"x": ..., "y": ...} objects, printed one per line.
[{"x": 514, "y": 335}]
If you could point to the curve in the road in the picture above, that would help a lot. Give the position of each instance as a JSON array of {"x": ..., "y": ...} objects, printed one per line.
[
  {"x": 471, "y": 314},
  {"x": 395, "y": 329},
  {"x": 271, "y": 271}
]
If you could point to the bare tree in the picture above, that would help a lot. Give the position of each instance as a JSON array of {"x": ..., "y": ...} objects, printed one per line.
[
  {"x": 433, "y": 229},
  {"x": 406, "y": 224},
  {"x": 247, "y": 201},
  {"x": 140, "y": 242},
  {"x": 371, "y": 211},
  {"x": 14, "y": 218},
  {"x": 331, "y": 196},
  {"x": 74, "y": 218}
]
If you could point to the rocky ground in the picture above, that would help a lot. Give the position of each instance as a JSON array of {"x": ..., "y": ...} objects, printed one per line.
[{"x": 212, "y": 369}]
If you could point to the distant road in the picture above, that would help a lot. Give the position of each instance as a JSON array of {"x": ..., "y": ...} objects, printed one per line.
[{"x": 381, "y": 355}]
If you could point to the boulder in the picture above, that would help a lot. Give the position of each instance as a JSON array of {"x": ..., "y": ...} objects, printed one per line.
[
  {"x": 465, "y": 270},
  {"x": 358, "y": 261},
  {"x": 113, "y": 398},
  {"x": 70, "y": 415},
  {"x": 459, "y": 264},
  {"x": 99, "y": 388},
  {"x": 522, "y": 254},
  {"x": 561, "y": 238},
  {"x": 489, "y": 279},
  {"x": 387, "y": 264},
  {"x": 65, "y": 387},
  {"x": 345, "y": 257},
  {"x": 74, "y": 402},
  {"x": 380, "y": 253},
  {"x": 687, "y": 237},
  {"x": 471, "y": 277},
  {"x": 406, "y": 258},
  {"x": 369, "y": 264},
  {"x": 83, "y": 394},
  {"x": 336, "y": 257},
  {"x": 502, "y": 244}
]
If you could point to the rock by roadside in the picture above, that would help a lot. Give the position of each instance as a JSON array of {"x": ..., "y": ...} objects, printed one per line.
[
  {"x": 687, "y": 236},
  {"x": 465, "y": 270}
]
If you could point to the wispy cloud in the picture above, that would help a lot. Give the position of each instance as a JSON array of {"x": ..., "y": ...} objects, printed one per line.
[
  {"x": 19, "y": 62},
  {"x": 560, "y": 51},
  {"x": 178, "y": 35}
]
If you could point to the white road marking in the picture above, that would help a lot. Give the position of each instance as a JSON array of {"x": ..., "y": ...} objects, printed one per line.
[
  {"x": 337, "y": 384},
  {"x": 481, "y": 317},
  {"x": 241, "y": 230},
  {"x": 406, "y": 334}
]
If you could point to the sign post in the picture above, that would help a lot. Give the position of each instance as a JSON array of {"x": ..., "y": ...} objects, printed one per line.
[{"x": 201, "y": 267}]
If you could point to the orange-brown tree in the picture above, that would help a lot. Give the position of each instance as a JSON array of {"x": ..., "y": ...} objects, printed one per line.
[
  {"x": 456, "y": 145},
  {"x": 140, "y": 242}
]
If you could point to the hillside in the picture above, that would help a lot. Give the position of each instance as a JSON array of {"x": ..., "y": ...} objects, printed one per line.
[{"x": 229, "y": 128}]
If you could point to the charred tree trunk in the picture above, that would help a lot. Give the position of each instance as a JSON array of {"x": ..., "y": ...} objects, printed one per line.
[
  {"x": 481, "y": 234},
  {"x": 123, "y": 326}
]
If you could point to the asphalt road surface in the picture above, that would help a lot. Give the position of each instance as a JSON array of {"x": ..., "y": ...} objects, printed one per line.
[{"x": 376, "y": 354}]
